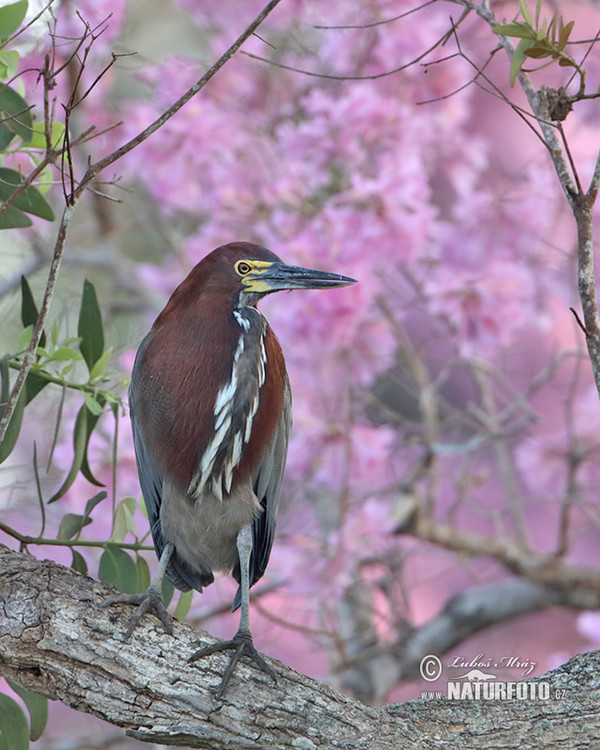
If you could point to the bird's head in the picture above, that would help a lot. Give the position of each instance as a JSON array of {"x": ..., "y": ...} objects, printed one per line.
[{"x": 247, "y": 272}]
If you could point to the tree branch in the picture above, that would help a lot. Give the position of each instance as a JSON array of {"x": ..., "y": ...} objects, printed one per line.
[
  {"x": 101, "y": 164},
  {"x": 76, "y": 192},
  {"x": 581, "y": 203},
  {"x": 55, "y": 639}
]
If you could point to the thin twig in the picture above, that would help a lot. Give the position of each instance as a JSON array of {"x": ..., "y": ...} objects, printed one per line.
[
  {"x": 38, "y": 488},
  {"x": 101, "y": 164},
  {"x": 345, "y": 77},
  {"x": 578, "y": 319},
  {"x": 375, "y": 23},
  {"x": 28, "y": 25},
  {"x": 29, "y": 357},
  {"x": 25, "y": 540}
]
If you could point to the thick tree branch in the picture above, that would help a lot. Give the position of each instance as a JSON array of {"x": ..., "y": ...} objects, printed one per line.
[
  {"x": 377, "y": 669},
  {"x": 55, "y": 639},
  {"x": 540, "y": 568}
]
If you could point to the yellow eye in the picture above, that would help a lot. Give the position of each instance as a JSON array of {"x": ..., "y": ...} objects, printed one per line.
[{"x": 243, "y": 268}]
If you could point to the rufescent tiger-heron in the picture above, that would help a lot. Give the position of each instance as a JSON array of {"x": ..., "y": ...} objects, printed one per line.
[{"x": 211, "y": 412}]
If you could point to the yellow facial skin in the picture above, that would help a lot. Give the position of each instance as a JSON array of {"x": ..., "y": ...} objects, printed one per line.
[{"x": 250, "y": 271}]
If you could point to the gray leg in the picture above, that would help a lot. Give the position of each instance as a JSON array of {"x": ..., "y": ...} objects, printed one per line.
[
  {"x": 241, "y": 643},
  {"x": 244, "y": 547},
  {"x": 150, "y": 601}
]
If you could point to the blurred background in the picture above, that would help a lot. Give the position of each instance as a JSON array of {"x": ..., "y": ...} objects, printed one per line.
[{"x": 446, "y": 421}]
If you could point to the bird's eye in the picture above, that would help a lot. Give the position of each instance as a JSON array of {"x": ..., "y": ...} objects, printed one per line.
[{"x": 243, "y": 268}]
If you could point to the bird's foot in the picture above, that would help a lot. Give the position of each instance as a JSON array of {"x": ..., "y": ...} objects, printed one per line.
[
  {"x": 241, "y": 644},
  {"x": 150, "y": 601}
]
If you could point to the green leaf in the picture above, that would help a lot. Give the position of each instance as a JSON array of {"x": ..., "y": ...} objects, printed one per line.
[
  {"x": 14, "y": 731},
  {"x": 87, "y": 472},
  {"x": 80, "y": 440},
  {"x": 79, "y": 564},
  {"x": 515, "y": 29},
  {"x": 93, "y": 501},
  {"x": 9, "y": 62},
  {"x": 84, "y": 426},
  {"x": 551, "y": 33},
  {"x": 118, "y": 568},
  {"x": 38, "y": 138},
  {"x": 11, "y": 17},
  {"x": 64, "y": 354},
  {"x": 29, "y": 310},
  {"x": 24, "y": 338},
  {"x": 92, "y": 420},
  {"x": 30, "y": 200},
  {"x": 99, "y": 368},
  {"x": 525, "y": 12},
  {"x": 90, "y": 329},
  {"x": 15, "y": 113},
  {"x": 167, "y": 591},
  {"x": 183, "y": 605},
  {"x": 71, "y": 524},
  {"x": 124, "y": 523},
  {"x": 34, "y": 384},
  {"x": 143, "y": 573},
  {"x": 14, "y": 426},
  {"x": 37, "y": 706},
  {"x": 564, "y": 33},
  {"x": 538, "y": 51},
  {"x": 6, "y": 137},
  {"x": 91, "y": 403},
  {"x": 518, "y": 58},
  {"x": 12, "y": 218},
  {"x": 5, "y": 382}
]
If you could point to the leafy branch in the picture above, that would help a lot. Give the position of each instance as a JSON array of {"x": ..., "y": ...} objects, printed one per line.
[{"x": 541, "y": 40}]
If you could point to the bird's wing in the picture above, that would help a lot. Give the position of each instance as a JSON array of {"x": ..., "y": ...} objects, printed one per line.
[
  {"x": 151, "y": 481},
  {"x": 267, "y": 487}
]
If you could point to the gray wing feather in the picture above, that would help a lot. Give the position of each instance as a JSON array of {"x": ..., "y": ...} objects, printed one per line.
[
  {"x": 267, "y": 488},
  {"x": 151, "y": 480}
]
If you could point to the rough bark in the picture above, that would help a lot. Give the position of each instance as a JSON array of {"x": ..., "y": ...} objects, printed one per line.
[{"x": 55, "y": 639}]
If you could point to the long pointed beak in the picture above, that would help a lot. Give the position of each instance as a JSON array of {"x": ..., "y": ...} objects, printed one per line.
[{"x": 280, "y": 276}]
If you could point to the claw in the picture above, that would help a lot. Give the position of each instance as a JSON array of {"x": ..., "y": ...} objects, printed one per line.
[
  {"x": 150, "y": 601},
  {"x": 241, "y": 644}
]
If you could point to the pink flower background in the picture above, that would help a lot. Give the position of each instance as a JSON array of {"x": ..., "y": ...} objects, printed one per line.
[{"x": 450, "y": 216}]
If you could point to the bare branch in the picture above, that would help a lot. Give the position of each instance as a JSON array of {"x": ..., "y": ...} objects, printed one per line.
[
  {"x": 376, "y": 669},
  {"x": 94, "y": 169},
  {"x": 533, "y": 566},
  {"x": 29, "y": 357},
  {"x": 339, "y": 77},
  {"x": 376, "y": 23}
]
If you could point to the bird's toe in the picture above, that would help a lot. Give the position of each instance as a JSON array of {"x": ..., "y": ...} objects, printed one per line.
[
  {"x": 241, "y": 645},
  {"x": 149, "y": 601}
]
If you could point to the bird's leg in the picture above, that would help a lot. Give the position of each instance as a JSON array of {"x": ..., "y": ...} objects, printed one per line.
[
  {"x": 150, "y": 601},
  {"x": 241, "y": 643},
  {"x": 244, "y": 547}
]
